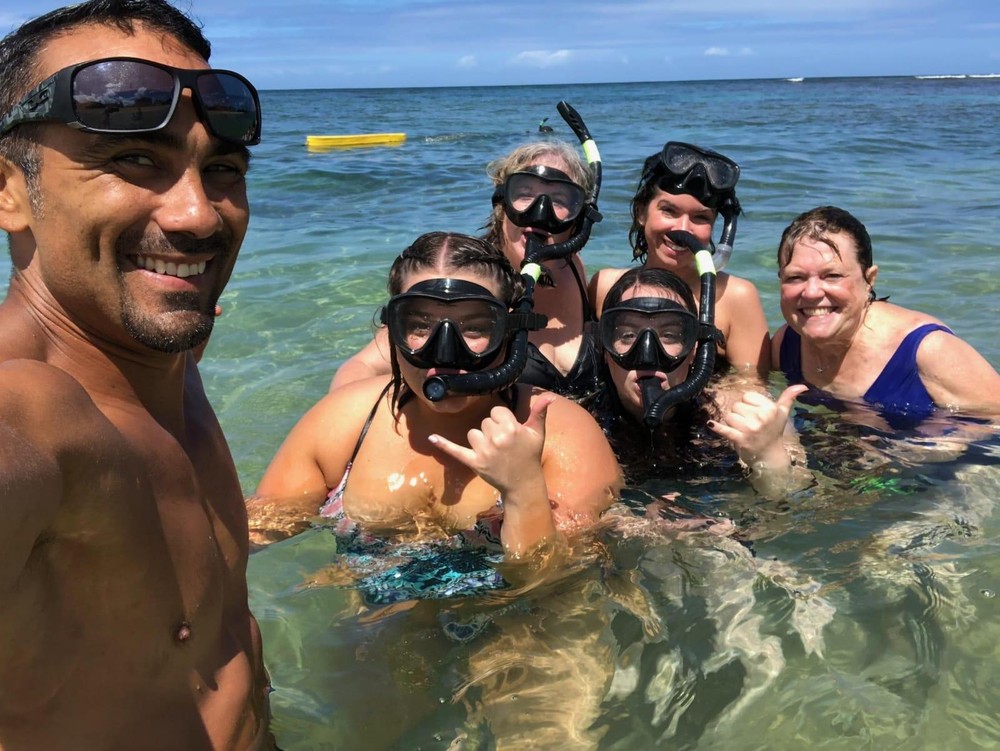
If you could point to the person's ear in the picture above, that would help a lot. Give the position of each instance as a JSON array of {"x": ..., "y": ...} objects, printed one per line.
[
  {"x": 15, "y": 206},
  {"x": 871, "y": 275}
]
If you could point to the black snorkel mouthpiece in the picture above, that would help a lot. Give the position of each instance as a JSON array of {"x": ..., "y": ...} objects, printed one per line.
[
  {"x": 506, "y": 374},
  {"x": 656, "y": 401}
]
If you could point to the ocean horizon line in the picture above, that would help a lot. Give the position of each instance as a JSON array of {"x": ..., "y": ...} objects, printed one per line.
[{"x": 755, "y": 79}]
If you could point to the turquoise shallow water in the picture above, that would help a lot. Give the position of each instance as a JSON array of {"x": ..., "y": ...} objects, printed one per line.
[{"x": 861, "y": 616}]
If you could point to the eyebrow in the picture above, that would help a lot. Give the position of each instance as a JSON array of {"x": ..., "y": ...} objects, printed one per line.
[{"x": 169, "y": 140}]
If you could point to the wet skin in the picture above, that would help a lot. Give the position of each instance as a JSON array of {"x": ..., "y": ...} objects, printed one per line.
[{"x": 125, "y": 621}]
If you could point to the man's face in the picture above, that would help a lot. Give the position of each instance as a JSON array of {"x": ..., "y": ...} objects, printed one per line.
[{"x": 134, "y": 236}]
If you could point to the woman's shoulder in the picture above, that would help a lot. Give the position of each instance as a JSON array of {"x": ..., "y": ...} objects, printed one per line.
[
  {"x": 356, "y": 397},
  {"x": 563, "y": 416},
  {"x": 891, "y": 317},
  {"x": 736, "y": 290},
  {"x": 600, "y": 283}
]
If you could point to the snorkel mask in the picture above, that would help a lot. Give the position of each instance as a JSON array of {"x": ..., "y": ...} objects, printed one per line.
[
  {"x": 542, "y": 198},
  {"x": 648, "y": 333},
  {"x": 706, "y": 175},
  {"x": 452, "y": 323},
  {"x": 674, "y": 342},
  {"x": 505, "y": 374}
]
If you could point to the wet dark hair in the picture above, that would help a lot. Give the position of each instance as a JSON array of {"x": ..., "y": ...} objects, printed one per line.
[
  {"x": 818, "y": 224},
  {"x": 641, "y": 276},
  {"x": 20, "y": 51},
  {"x": 447, "y": 252}
]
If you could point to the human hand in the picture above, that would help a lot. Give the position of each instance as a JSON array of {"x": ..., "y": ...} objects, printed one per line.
[
  {"x": 505, "y": 453},
  {"x": 755, "y": 425}
]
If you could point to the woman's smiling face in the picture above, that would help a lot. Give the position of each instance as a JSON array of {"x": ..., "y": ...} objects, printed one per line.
[
  {"x": 825, "y": 293},
  {"x": 667, "y": 212}
]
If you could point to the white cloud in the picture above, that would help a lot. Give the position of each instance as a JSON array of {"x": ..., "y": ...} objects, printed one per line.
[
  {"x": 542, "y": 58},
  {"x": 469, "y": 61},
  {"x": 726, "y": 52}
]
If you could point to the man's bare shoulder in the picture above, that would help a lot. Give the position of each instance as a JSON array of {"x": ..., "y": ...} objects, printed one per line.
[{"x": 42, "y": 399}]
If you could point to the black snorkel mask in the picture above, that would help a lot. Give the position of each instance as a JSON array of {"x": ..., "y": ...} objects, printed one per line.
[
  {"x": 505, "y": 374},
  {"x": 655, "y": 400},
  {"x": 706, "y": 175},
  {"x": 648, "y": 333},
  {"x": 452, "y": 323},
  {"x": 541, "y": 197}
]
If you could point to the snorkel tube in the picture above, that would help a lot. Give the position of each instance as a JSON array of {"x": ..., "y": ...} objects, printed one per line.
[
  {"x": 506, "y": 373},
  {"x": 656, "y": 401},
  {"x": 730, "y": 210}
]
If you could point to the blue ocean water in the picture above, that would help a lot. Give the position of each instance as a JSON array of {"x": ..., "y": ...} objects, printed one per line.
[{"x": 863, "y": 616}]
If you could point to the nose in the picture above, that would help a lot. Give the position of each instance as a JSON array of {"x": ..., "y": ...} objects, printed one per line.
[
  {"x": 682, "y": 221},
  {"x": 186, "y": 207},
  {"x": 813, "y": 287}
]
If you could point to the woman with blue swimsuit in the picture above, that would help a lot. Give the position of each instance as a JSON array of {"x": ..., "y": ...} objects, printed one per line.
[{"x": 848, "y": 346}]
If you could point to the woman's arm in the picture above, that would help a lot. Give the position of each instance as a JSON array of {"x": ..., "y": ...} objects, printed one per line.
[
  {"x": 372, "y": 360},
  {"x": 957, "y": 376},
  {"x": 310, "y": 461},
  {"x": 748, "y": 341}
]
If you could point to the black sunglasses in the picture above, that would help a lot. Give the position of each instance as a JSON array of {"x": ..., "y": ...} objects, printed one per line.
[{"x": 129, "y": 95}]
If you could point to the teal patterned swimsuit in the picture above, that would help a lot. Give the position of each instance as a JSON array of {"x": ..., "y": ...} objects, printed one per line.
[{"x": 461, "y": 565}]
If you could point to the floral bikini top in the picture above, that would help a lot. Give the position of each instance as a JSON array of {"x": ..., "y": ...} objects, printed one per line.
[{"x": 387, "y": 571}]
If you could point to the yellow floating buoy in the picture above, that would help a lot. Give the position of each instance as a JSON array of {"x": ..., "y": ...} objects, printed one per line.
[{"x": 325, "y": 143}]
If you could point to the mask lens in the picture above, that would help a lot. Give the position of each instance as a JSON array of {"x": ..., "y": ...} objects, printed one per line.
[
  {"x": 122, "y": 95},
  {"x": 680, "y": 158},
  {"x": 641, "y": 339},
  {"x": 473, "y": 330},
  {"x": 523, "y": 189}
]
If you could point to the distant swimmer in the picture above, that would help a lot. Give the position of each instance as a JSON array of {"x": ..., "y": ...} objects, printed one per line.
[{"x": 543, "y": 128}]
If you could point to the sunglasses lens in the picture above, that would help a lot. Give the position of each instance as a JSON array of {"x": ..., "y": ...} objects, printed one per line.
[
  {"x": 121, "y": 95},
  {"x": 230, "y": 106}
]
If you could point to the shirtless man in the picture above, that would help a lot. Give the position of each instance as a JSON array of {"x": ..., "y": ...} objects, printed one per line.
[{"x": 123, "y": 542}]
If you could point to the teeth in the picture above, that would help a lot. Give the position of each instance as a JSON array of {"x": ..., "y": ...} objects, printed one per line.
[{"x": 181, "y": 270}]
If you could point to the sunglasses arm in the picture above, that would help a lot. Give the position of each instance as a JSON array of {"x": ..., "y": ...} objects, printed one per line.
[{"x": 36, "y": 106}]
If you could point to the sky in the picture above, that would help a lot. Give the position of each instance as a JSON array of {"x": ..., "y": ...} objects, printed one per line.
[{"x": 302, "y": 44}]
